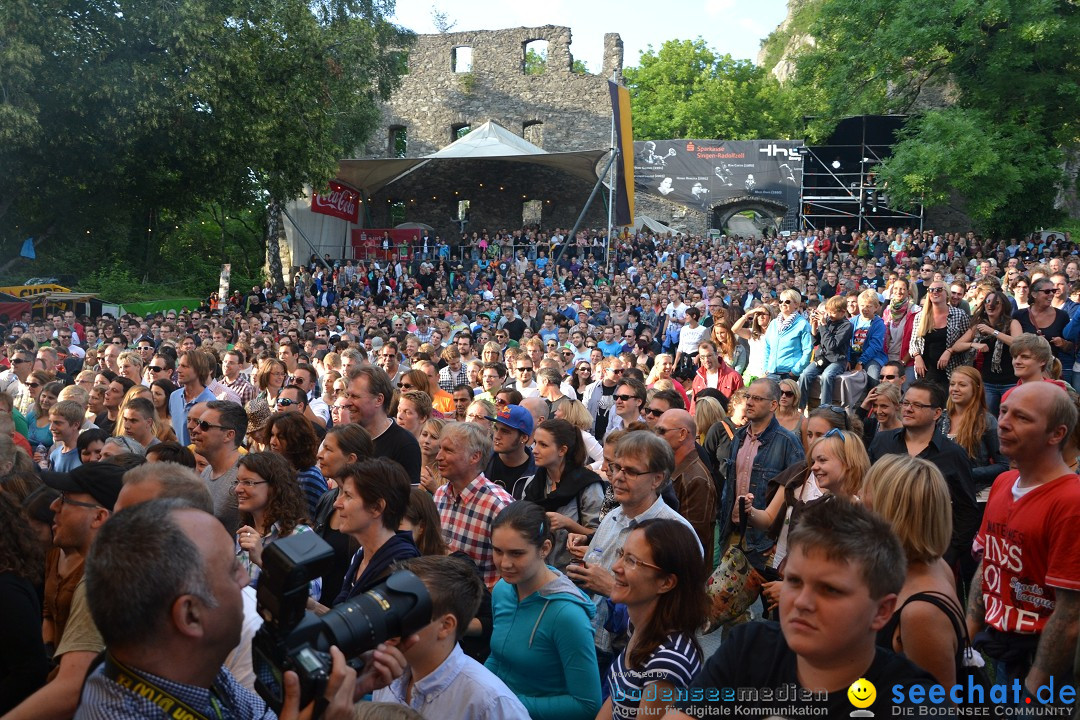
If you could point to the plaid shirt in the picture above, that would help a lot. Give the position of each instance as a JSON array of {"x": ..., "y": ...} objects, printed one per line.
[
  {"x": 448, "y": 379},
  {"x": 956, "y": 325},
  {"x": 241, "y": 386},
  {"x": 466, "y": 520}
]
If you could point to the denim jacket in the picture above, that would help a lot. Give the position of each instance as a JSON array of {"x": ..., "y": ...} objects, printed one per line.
[{"x": 779, "y": 450}]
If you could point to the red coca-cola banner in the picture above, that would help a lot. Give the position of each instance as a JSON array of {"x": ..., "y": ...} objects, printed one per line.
[{"x": 341, "y": 202}]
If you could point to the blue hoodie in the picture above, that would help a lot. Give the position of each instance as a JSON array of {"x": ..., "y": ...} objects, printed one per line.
[{"x": 542, "y": 647}]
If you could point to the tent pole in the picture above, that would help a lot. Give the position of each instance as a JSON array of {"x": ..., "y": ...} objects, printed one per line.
[{"x": 581, "y": 217}]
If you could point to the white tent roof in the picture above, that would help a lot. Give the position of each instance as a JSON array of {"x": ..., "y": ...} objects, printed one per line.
[
  {"x": 652, "y": 224},
  {"x": 490, "y": 141}
]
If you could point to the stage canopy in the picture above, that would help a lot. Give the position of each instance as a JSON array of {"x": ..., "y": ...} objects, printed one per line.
[{"x": 490, "y": 141}]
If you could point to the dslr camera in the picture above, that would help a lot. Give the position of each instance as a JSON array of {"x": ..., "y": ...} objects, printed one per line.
[{"x": 293, "y": 638}]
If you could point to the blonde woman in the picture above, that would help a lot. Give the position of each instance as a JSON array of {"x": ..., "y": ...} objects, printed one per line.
[
  {"x": 131, "y": 366},
  {"x": 835, "y": 464},
  {"x": 788, "y": 341},
  {"x": 430, "y": 433},
  {"x": 937, "y": 329},
  {"x": 912, "y": 496},
  {"x": 575, "y": 413}
]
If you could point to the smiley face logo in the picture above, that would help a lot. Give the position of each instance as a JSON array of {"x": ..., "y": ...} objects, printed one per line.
[{"x": 862, "y": 693}]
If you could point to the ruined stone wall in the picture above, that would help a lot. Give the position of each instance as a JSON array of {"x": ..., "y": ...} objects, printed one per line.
[
  {"x": 574, "y": 109},
  {"x": 559, "y": 110}
]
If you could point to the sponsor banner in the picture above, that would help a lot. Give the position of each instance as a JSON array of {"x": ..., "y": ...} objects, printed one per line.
[
  {"x": 341, "y": 202},
  {"x": 704, "y": 173}
]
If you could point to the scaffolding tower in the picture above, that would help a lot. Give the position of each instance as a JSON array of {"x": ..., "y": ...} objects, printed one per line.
[{"x": 838, "y": 183}]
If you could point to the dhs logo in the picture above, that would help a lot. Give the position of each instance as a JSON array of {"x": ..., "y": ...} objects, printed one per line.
[{"x": 774, "y": 150}]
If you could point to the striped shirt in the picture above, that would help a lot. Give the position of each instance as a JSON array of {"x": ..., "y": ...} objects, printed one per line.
[
  {"x": 675, "y": 662},
  {"x": 466, "y": 520}
]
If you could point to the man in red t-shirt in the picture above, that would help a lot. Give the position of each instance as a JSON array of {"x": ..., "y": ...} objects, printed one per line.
[{"x": 1026, "y": 592}]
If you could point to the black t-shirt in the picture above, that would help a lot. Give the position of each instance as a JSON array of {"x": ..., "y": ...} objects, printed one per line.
[
  {"x": 503, "y": 476},
  {"x": 515, "y": 328},
  {"x": 399, "y": 445},
  {"x": 756, "y": 655},
  {"x": 1054, "y": 330}
]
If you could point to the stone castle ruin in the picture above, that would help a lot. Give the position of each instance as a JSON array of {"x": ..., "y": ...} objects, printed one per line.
[{"x": 456, "y": 82}]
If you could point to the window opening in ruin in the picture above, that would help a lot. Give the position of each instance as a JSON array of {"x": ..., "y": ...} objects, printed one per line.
[
  {"x": 459, "y": 130},
  {"x": 531, "y": 212},
  {"x": 533, "y": 131},
  {"x": 399, "y": 141},
  {"x": 461, "y": 59},
  {"x": 534, "y": 57}
]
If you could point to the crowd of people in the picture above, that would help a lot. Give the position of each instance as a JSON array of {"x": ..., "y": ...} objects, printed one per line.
[{"x": 885, "y": 423}]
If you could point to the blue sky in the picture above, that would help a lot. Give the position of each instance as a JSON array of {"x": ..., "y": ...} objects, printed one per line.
[{"x": 728, "y": 26}]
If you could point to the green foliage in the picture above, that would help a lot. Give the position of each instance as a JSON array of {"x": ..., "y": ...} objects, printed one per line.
[
  {"x": 468, "y": 82},
  {"x": 578, "y": 67},
  {"x": 993, "y": 86},
  {"x": 685, "y": 90},
  {"x": 535, "y": 62},
  {"x": 803, "y": 14},
  {"x": 118, "y": 128}
]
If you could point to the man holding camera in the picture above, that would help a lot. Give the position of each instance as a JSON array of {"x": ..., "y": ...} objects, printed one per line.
[{"x": 181, "y": 615}]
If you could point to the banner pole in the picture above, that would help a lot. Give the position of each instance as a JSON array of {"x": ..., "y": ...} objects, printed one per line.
[{"x": 611, "y": 192}]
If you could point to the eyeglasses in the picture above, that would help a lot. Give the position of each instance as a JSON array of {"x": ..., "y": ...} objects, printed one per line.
[
  {"x": 625, "y": 398},
  {"x": 247, "y": 484},
  {"x": 759, "y": 398},
  {"x": 915, "y": 405},
  {"x": 787, "y": 393},
  {"x": 286, "y": 402},
  {"x": 616, "y": 468},
  {"x": 653, "y": 412},
  {"x": 65, "y": 500},
  {"x": 205, "y": 426},
  {"x": 630, "y": 562}
]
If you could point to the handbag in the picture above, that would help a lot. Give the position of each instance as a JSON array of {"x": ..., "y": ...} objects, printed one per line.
[{"x": 735, "y": 584}]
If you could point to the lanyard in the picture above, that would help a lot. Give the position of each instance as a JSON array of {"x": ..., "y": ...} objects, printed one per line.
[{"x": 172, "y": 706}]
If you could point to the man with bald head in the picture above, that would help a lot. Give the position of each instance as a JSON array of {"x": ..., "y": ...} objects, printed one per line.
[
  {"x": 1025, "y": 596},
  {"x": 692, "y": 480}
]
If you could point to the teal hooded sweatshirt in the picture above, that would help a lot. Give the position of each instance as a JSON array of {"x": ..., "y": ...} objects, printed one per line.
[{"x": 542, "y": 647}]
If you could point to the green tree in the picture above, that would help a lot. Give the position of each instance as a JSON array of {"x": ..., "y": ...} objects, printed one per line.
[
  {"x": 136, "y": 121},
  {"x": 685, "y": 90},
  {"x": 992, "y": 88}
]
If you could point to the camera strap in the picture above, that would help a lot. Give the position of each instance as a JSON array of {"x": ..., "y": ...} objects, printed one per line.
[{"x": 172, "y": 706}]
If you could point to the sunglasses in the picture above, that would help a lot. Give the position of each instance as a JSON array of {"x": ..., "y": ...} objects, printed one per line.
[
  {"x": 841, "y": 411},
  {"x": 286, "y": 402},
  {"x": 937, "y": 289},
  {"x": 156, "y": 369},
  {"x": 625, "y": 398},
  {"x": 33, "y": 385},
  {"x": 889, "y": 377},
  {"x": 404, "y": 386},
  {"x": 653, "y": 412},
  {"x": 205, "y": 426},
  {"x": 787, "y": 393}
]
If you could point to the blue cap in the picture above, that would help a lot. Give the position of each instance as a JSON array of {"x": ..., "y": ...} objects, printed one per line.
[{"x": 516, "y": 417}]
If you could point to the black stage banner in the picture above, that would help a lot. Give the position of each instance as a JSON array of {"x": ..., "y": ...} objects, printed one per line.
[{"x": 702, "y": 174}]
